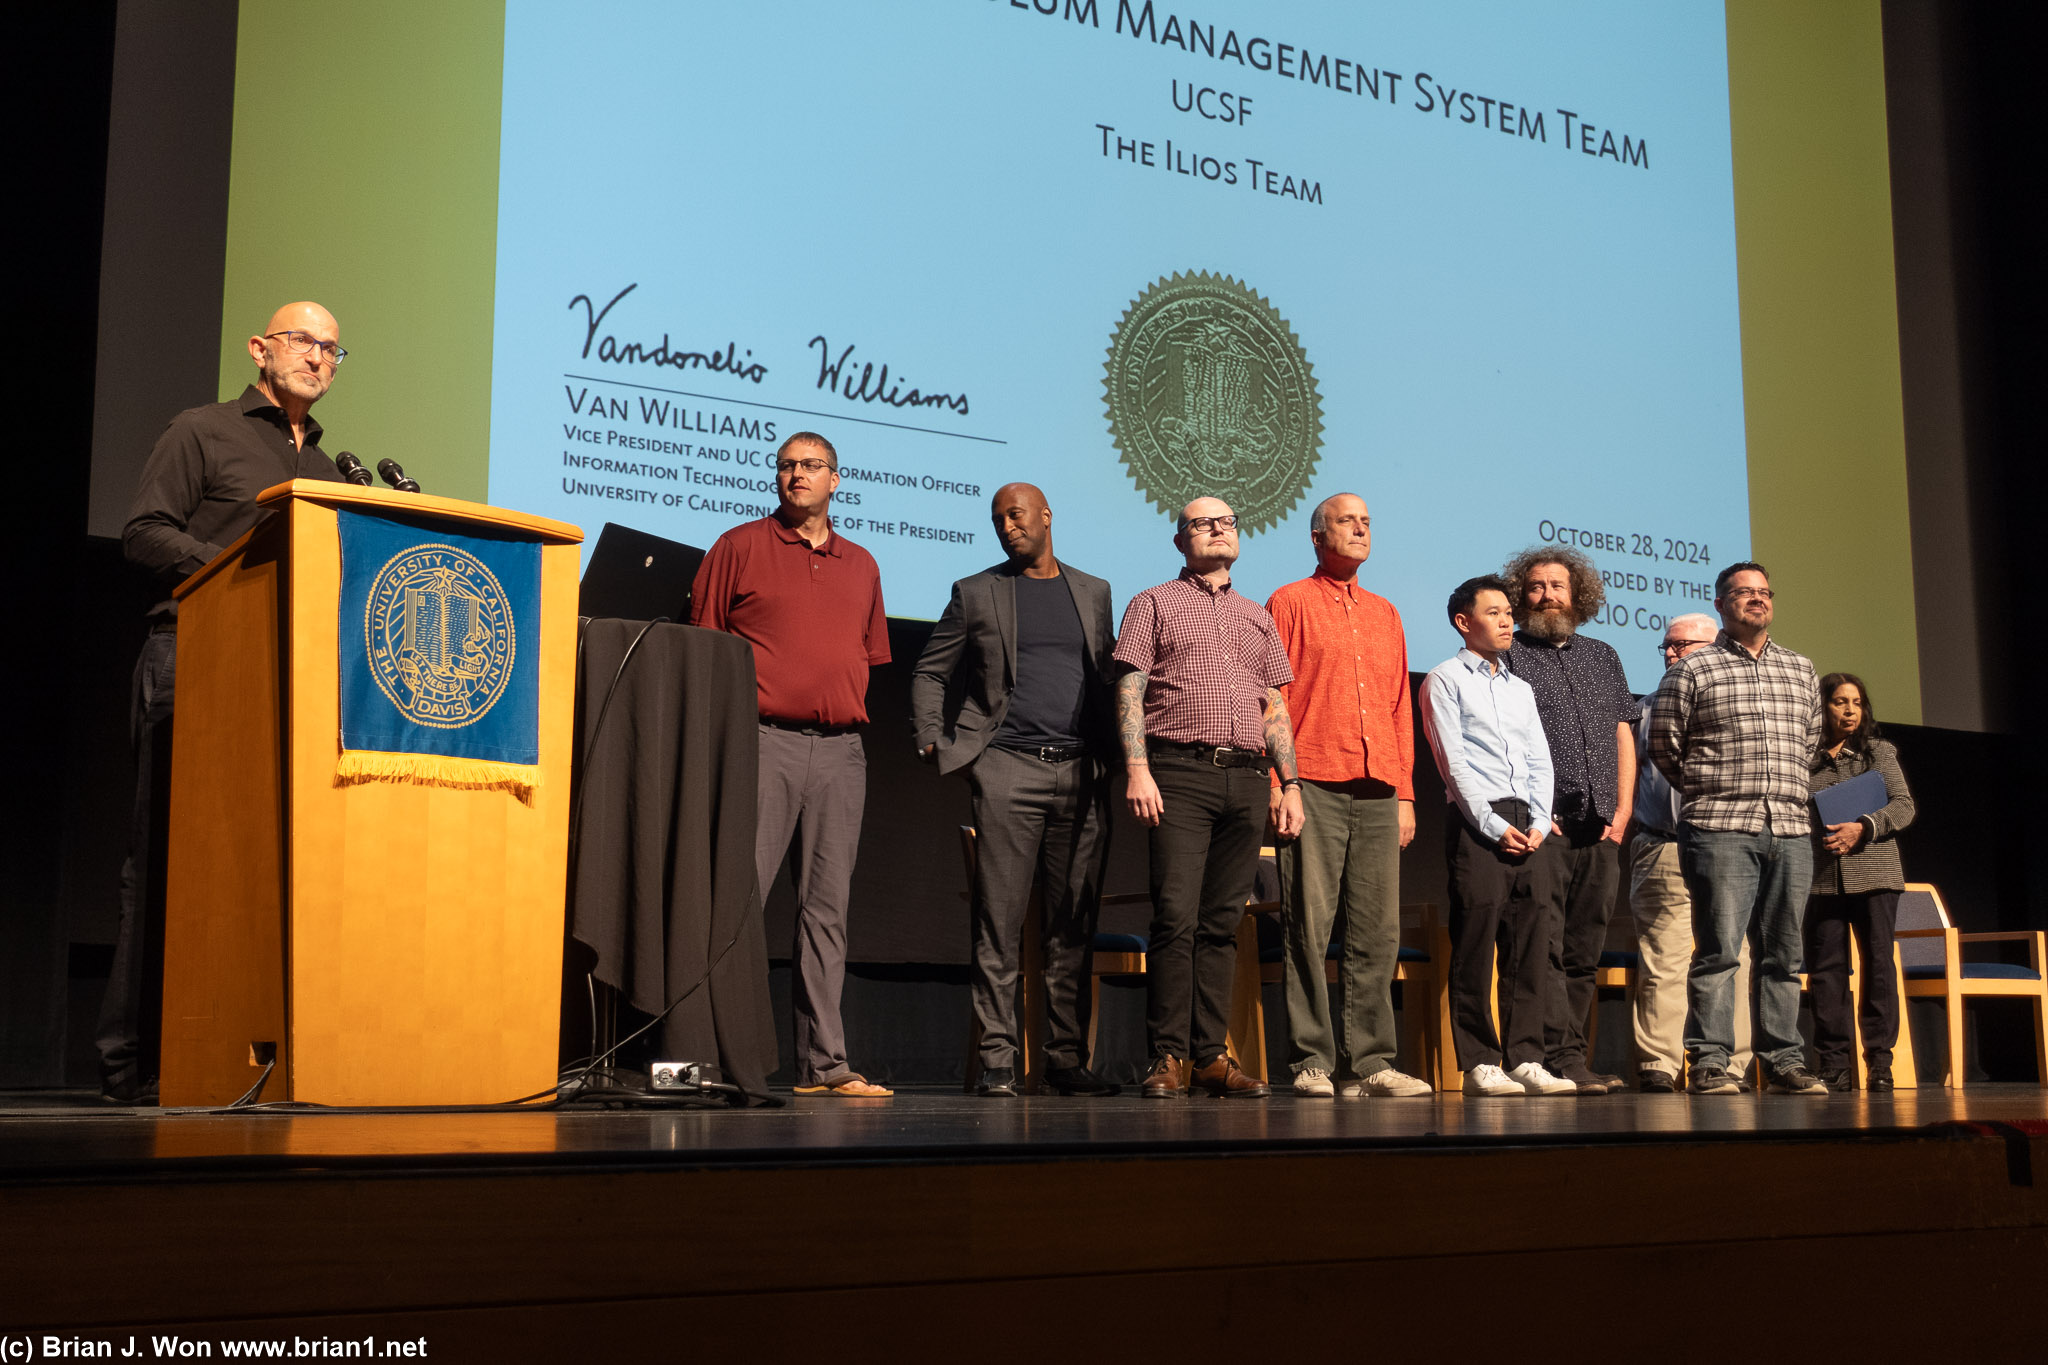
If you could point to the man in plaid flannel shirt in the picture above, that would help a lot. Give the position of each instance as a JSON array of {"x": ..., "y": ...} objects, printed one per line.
[{"x": 1733, "y": 729}]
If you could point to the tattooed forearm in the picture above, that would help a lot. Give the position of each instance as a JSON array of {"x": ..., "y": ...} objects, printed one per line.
[
  {"x": 1130, "y": 716},
  {"x": 1280, "y": 735}
]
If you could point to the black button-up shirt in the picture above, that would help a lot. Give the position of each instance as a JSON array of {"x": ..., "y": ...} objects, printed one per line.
[
  {"x": 1581, "y": 695},
  {"x": 198, "y": 490}
]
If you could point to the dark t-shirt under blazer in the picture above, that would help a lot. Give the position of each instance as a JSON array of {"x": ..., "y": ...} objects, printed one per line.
[
  {"x": 813, "y": 615},
  {"x": 968, "y": 679},
  {"x": 1052, "y": 673}
]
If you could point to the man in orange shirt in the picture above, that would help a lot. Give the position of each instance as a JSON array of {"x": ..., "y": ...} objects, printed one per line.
[{"x": 1355, "y": 739}]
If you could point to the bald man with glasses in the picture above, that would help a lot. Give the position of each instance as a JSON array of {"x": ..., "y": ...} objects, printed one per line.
[
  {"x": 1203, "y": 724},
  {"x": 1662, "y": 909},
  {"x": 196, "y": 497}
]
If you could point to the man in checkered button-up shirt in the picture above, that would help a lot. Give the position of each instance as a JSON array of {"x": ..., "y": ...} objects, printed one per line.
[
  {"x": 1202, "y": 723},
  {"x": 1733, "y": 729}
]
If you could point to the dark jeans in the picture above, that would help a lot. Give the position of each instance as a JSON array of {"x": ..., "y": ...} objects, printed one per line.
[
  {"x": 1829, "y": 922},
  {"x": 129, "y": 1034},
  {"x": 1589, "y": 871},
  {"x": 1205, "y": 855},
  {"x": 1051, "y": 821},
  {"x": 1507, "y": 905},
  {"x": 1750, "y": 886}
]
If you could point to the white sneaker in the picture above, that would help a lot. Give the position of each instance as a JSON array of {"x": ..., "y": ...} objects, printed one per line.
[
  {"x": 1313, "y": 1080},
  {"x": 1385, "y": 1081},
  {"x": 1536, "y": 1081},
  {"x": 1491, "y": 1080}
]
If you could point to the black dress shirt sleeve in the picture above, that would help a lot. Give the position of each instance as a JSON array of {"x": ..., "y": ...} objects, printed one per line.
[{"x": 158, "y": 535}]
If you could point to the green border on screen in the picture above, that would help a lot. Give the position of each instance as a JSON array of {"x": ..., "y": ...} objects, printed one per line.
[
  {"x": 368, "y": 180},
  {"x": 364, "y": 176},
  {"x": 1825, "y": 410}
]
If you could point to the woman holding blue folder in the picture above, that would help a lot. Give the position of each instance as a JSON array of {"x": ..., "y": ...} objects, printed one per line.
[{"x": 1856, "y": 884}]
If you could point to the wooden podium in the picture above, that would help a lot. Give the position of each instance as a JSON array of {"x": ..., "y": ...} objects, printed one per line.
[{"x": 395, "y": 943}]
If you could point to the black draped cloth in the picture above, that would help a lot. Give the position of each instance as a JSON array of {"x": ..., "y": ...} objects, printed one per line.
[{"x": 662, "y": 889}]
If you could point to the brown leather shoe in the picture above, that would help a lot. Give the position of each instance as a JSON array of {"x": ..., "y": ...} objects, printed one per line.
[
  {"x": 1167, "y": 1080},
  {"x": 1225, "y": 1081}
]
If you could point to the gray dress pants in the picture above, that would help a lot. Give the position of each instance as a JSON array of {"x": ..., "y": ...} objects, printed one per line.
[
  {"x": 1051, "y": 821},
  {"x": 815, "y": 788}
]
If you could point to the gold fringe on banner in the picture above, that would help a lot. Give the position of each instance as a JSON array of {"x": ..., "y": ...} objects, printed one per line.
[{"x": 433, "y": 770}]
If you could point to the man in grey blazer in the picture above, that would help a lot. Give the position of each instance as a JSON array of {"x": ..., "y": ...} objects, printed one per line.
[{"x": 1012, "y": 688}]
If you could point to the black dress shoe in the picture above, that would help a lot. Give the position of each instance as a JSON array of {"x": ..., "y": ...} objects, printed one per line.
[
  {"x": 1879, "y": 1081},
  {"x": 997, "y": 1083},
  {"x": 136, "y": 1094},
  {"x": 1079, "y": 1080},
  {"x": 1838, "y": 1078},
  {"x": 1654, "y": 1082}
]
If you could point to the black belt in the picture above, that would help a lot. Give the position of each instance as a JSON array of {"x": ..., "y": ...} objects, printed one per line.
[
  {"x": 1221, "y": 755},
  {"x": 813, "y": 728},
  {"x": 1048, "y": 753}
]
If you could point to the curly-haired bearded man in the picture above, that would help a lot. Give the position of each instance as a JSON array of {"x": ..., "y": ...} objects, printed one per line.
[{"x": 1588, "y": 718}]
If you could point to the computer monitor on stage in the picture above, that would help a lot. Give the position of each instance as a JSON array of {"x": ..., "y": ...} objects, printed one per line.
[{"x": 638, "y": 577}]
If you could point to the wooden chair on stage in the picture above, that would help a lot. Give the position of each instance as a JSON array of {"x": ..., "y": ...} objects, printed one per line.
[
  {"x": 1905, "y": 1071},
  {"x": 1931, "y": 949},
  {"x": 1117, "y": 955}
]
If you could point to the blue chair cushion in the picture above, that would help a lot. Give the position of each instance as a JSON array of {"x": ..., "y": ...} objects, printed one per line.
[
  {"x": 1977, "y": 971},
  {"x": 1122, "y": 943},
  {"x": 1414, "y": 955},
  {"x": 1621, "y": 959}
]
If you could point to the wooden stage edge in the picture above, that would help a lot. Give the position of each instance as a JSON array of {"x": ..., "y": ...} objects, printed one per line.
[{"x": 907, "y": 1232}]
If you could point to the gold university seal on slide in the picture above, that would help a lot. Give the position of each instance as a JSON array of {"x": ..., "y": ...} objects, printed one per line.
[
  {"x": 1210, "y": 395},
  {"x": 438, "y": 632}
]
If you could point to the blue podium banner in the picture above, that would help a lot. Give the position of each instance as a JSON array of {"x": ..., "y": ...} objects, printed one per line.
[{"x": 440, "y": 656}]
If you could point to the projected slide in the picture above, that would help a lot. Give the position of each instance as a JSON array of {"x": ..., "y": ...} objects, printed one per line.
[{"x": 1473, "y": 262}]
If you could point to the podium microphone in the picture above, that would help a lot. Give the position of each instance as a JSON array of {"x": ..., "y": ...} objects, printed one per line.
[
  {"x": 352, "y": 469},
  {"x": 396, "y": 477}
]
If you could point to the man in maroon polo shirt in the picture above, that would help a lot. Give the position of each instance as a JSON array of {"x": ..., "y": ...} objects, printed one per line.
[{"x": 810, "y": 602}]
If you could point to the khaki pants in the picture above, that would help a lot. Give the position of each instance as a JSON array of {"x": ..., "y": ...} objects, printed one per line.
[{"x": 1664, "y": 938}]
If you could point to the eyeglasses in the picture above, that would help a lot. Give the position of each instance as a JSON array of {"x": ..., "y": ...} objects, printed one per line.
[
  {"x": 303, "y": 342},
  {"x": 811, "y": 466},
  {"x": 1738, "y": 594},
  {"x": 1210, "y": 523},
  {"x": 1679, "y": 647}
]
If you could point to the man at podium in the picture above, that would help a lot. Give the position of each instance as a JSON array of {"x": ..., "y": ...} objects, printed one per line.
[{"x": 196, "y": 498}]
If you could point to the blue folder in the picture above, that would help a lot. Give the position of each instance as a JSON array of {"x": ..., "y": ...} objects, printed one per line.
[{"x": 1851, "y": 800}]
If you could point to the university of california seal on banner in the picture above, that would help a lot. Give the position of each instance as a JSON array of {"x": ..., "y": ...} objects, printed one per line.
[
  {"x": 440, "y": 674},
  {"x": 1211, "y": 395},
  {"x": 439, "y": 636}
]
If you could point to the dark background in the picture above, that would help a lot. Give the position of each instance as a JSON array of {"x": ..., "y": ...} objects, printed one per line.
[{"x": 1966, "y": 176}]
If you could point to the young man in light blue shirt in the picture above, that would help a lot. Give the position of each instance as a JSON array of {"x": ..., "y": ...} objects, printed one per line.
[{"x": 1488, "y": 743}]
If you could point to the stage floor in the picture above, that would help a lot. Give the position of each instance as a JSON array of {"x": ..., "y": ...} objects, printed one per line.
[
  {"x": 937, "y": 1223},
  {"x": 72, "y": 1135}
]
